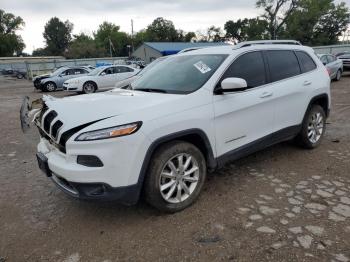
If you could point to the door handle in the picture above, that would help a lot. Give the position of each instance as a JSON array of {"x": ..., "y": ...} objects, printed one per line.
[
  {"x": 307, "y": 83},
  {"x": 266, "y": 94}
]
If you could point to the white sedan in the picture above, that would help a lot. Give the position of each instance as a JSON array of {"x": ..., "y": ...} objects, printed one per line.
[{"x": 104, "y": 77}]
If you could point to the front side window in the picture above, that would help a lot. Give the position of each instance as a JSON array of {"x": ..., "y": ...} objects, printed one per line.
[
  {"x": 306, "y": 62},
  {"x": 283, "y": 64},
  {"x": 249, "y": 67},
  {"x": 179, "y": 74}
]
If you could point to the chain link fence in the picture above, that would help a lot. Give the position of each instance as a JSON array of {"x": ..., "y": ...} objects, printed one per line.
[{"x": 42, "y": 67}]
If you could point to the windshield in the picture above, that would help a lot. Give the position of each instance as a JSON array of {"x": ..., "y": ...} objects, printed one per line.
[
  {"x": 179, "y": 74},
  {"x": 58, "y": 71},
  {"x": 151, "y": 65},
  {"x": 96, "y": 71}
]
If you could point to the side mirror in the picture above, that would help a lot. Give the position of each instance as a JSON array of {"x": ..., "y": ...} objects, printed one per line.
[
  {"x": 103, "y": 74},
  {"x": 232, "y": 84}
]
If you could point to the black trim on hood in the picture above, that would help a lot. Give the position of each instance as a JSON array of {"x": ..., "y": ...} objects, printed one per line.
[{"x": 69, "y": 133}]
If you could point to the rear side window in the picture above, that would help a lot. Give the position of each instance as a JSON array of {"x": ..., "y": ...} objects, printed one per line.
[
  {"x": 283, "y": 64},
  {"x": 306, "y": 62},
  {"x": 250, "y": 67}
]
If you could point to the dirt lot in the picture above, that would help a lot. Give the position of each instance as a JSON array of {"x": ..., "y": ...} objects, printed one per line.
[{"x": 282, "y": 204}]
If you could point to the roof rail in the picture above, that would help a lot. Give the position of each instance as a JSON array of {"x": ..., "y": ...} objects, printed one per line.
[
  {"x": 191, "y": 49},
  {"x": 267, "y": 42}
]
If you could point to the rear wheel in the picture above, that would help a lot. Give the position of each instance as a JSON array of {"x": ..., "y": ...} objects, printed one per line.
[
  {"x": 175, "y": 177},
  {"x": 89, "y": 88},
  {"x": 313, "y": 128},
  {"x": 50, "y": 87}
]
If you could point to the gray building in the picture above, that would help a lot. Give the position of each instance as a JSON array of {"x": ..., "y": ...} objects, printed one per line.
[{"x": 150, "y": 51}]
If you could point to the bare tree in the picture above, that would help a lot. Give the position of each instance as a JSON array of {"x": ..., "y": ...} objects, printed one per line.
[{"x": 276, "y": 13}]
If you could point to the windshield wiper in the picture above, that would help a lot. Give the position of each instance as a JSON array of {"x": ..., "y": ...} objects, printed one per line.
[{"x": 151, "y": 90}]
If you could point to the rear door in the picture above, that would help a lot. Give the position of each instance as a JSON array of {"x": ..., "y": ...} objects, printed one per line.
[
  {"x": 246, "y": 116},
  {"x": 124, "y": 72},
  {"x": 290, "y": 82}
]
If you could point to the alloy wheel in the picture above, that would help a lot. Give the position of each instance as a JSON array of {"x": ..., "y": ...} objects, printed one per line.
[
  {"x": 50, "y": 87},
  {"x": 179, "y": 178},
  {"x": 89, "y": 88},
  {"x": 315, "y": 127}
]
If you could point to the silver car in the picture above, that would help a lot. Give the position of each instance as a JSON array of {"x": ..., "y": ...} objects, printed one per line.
[
  {"x": 55, "y": 80},
  {"x": 333, "y": 64}
]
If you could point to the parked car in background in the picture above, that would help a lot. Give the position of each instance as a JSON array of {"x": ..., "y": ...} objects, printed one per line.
[
  {"x": 104, "y": 77},
  {"x": 343, "y": 53},
  {"x": 333, "y": 64},
  {"x": 18, "y": 73},
  {"x": 125, "y": 84},
  {"x": 346, "y": 60},
  {"x": 193, "y": 112},
  {"x": 54, "y": 81}
]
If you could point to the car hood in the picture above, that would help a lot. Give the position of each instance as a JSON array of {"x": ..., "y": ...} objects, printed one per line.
[
  {"x": 39, "y": 77},
  {"x": 80, "y": 110}
]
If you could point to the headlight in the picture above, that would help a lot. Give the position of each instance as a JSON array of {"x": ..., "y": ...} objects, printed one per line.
[{"x": 111, "y": 132}]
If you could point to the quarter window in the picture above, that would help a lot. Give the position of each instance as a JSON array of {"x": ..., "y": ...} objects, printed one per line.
[
  {"x": 249, "y": 67},
  {"x": 283, "y": 64},
  {"x": 306, "y": 62}
]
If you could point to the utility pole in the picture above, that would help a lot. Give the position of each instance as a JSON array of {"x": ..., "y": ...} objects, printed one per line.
[
  {"x": 132, "y": 35},
  {"x": 110, "y": 47}
]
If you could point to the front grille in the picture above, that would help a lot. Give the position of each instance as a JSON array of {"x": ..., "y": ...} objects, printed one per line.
[
  {"x": 56, "y": 126},
  {"x": 49, "y": 128},
  {"x": 48, "y": 120}
]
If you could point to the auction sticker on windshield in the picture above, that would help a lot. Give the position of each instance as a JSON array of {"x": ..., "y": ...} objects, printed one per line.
[{"x": 203, "y": 68}]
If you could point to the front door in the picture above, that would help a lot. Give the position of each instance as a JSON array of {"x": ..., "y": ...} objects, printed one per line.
[{"x": 247, "y": 116}]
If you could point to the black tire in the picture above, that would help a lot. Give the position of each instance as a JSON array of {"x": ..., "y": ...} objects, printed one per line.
[
  {"x": 49, "y": 87},
  {"x": 338, "y": 75},
  {"x": 159, "y": 160},
  {"x": 20, "y": 76},
  {"x": 89, "y": 87},
  {"x": 303, "y": 138}
]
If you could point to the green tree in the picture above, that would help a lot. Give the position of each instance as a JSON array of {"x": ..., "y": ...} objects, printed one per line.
[
  {"x": 276, "y": 13},
  {"x": 332, "y": 25},
  {"x": 189, "y": 36},
  {"x": 84, "y": 46},
  {"x": 317, "y": 22},
  {"x": 161, "y": 30},
  {"x": 57, "y": 35},
  {"x": 10, "y": 42},
  {"x": 39, "y": 52},
  {"x": 246, "y": 29},
  {"x": 110, "y": 38}
]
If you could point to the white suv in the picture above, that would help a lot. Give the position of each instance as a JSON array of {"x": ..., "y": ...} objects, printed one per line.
[{"x": 191, "y": 113}]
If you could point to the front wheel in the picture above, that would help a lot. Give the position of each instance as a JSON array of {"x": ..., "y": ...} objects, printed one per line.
[
  {"x": 50, "y": 87},
  {"x": 313, "y": 128},
  {"x": 89, "y": 88},
  {"x": 175, "y": 177},
  {"x": 338, "y": 76}
]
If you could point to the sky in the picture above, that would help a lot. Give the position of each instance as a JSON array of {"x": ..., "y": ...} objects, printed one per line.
[{"x": 86, "y": 15}]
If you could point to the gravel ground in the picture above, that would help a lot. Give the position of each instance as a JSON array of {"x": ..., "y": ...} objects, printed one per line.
[{"x": 281, "y": 204}]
